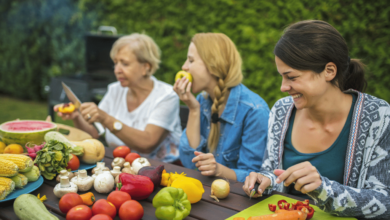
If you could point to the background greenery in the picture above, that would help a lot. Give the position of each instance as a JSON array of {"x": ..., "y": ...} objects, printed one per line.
[{"x": 40, "y": 39}]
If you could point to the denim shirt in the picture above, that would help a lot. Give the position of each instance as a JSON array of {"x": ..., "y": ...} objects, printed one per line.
[{"x": 243, "y": 128}]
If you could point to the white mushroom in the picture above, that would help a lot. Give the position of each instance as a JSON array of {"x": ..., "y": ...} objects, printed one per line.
[
  {"x": 104, "y": 182},
  {"x": 116, "y": 171},
  {"x": 70, "y": 175},
  {"x": 139, "y": 163},
  {"x": 64, "y": 187},
  {"x": 118, "y": 161},
  {"x": 127, "y": 168},
  {"x": 100, "y": 165},
  {"x": 83, "y": 181}
]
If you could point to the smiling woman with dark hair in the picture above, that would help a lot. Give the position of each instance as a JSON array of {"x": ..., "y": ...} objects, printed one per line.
[{"x": 328, "y": 141}]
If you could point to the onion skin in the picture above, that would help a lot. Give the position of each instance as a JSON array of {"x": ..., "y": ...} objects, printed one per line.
[{"x": 220, "y": 189}]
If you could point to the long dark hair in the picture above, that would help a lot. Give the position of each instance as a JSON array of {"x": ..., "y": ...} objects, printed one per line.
[{"x": 311, "y": 44}]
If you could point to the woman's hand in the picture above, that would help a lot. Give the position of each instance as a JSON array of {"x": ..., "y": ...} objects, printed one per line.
[
  {"x": 66, "y": 116},
  {"x": 250, "y": 184},
  {"x": 182, "y": 87},
  {"x": 206, "y": 163},
  {"x": 305, "y": 176},
  {"x": 91, "y": 113}
]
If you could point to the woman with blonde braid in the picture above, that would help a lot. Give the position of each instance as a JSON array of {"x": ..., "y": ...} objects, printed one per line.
[{"x": 226, "y": 131}]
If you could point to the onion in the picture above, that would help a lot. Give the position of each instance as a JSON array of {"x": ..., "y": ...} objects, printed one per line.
[{"x": 220, "y": 189}]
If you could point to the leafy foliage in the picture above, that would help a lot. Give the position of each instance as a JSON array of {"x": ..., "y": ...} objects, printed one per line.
[
  {"x": 47, "y": 50},
  {"x": 40, "y": 39}
]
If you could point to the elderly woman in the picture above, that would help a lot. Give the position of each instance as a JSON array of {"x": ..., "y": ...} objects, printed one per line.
[{"x": 138, "y": 110}]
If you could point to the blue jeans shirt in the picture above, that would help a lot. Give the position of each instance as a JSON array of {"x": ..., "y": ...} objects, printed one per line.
[{"x": 243, "y": 127}]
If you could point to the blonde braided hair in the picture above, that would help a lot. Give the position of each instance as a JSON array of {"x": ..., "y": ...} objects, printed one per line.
[{"x": 222, "y": 60}]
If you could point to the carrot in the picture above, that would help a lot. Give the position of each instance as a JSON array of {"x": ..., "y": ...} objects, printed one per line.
[
  {"x": 239, "y": 218},
  {"x": 288, "y": 215},
  {"x": 88, "y": 198}
]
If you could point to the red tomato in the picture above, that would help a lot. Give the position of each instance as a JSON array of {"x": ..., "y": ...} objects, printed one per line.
[
  {"x": 80, "y": 212},
  {"x": 121, "y": 151},
  {"x": 103, "y": 206},
  {"x": 131, "y": 157},
  {"x": 69, "y": 201},
  {"x": 118, "y": 198},
  {"x": 74, "y": 163},
  {"x": 101, "y": 217},
  {"x": 131, "y": 210}
]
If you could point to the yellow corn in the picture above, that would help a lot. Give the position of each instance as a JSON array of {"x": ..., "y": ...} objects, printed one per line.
[
  {"x": 3, "y": 192},
  {"x": 8, "y": 183},
  {"x": 24, "y": 162},
  {"x": 8, "y": 168},
  {"x": 20, "y": 180}
]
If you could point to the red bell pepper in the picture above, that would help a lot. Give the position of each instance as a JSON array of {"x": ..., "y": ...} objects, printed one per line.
[
  {"x": 286, "y": 206},
  {"x": 280, "y": 203},
  {"x": 308, "y": 209},
  {"x": 137, "y": 186},
  {"x": 293, "y": 206},
  {"x": 306, "y": 202},
  {"x": 272, "y": 207}
]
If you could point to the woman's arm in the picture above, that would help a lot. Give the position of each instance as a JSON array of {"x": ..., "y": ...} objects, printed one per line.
[{"x": 253, "y": 142}]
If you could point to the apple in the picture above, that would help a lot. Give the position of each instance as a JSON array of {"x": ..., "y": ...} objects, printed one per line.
[{"x": 182, "y": 74}]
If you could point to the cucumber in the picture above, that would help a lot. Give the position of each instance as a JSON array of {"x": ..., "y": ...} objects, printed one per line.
[{"x": 29, "y": 207}]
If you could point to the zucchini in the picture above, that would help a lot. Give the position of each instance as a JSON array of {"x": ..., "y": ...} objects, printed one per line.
[{"x": 29, "y": 207}]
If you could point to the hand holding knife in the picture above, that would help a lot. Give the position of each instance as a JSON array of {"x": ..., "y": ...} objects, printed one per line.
[
  {"x": 254, "y": 190},
  {"x": 73, "y": 98}
]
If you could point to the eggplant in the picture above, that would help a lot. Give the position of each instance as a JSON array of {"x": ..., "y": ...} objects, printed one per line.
[{"x": 154, "y": 173}]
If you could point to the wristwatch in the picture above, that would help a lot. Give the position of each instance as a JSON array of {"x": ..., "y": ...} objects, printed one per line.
[{"x": 117, "y": 126}]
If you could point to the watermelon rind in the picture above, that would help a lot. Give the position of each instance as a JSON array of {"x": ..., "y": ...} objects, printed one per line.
[{"x": 22, "y": 137}]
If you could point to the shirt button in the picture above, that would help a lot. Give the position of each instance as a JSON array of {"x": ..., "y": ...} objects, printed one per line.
[
  {"x": 217, "y": 155},
  {"x": 205, "y": 110}
]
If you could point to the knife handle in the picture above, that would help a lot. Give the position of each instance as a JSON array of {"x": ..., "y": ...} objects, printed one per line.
[{"x": 99, "y": 127}]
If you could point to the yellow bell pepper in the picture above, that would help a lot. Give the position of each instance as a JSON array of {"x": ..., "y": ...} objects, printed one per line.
[
  {"x": 191, "y": 186},
  {"x": 67, "y": 108},
  {"x": 167, "y": 178}
]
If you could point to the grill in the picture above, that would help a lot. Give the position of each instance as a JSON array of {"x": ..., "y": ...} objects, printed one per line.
[{"x": 92, "y": 85}]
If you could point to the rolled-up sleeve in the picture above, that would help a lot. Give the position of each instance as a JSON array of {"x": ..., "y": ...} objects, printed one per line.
[
  {"x": 254, "y": 141},
  {"x": 187, "y": 152}
]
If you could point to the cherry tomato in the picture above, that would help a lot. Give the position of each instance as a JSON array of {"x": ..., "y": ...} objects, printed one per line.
[
  {"x": 121, "y": 151},
  {"x": 103, "y": 206},
  {"x": 80, "y": 212},
  {"x": 101, "y": 217},
  {"x": 131, "y": 210},
  {"x": 118, "y": 198},
  {"x": 131, "y": 157},
  {"x": 69, "y": 201},
  {"x": 74, "y": 163}
]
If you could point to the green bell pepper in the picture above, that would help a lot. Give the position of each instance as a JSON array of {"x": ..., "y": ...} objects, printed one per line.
[{"x": 171, "y": 204}]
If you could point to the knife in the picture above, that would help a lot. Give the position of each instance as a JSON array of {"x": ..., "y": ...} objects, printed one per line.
[
  {"x": 254, "y": 190},
  {"x": 76, "y": 102}
]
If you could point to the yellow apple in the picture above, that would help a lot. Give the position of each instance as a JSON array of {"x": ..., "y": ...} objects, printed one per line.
[{"x": 182, "y": 74}]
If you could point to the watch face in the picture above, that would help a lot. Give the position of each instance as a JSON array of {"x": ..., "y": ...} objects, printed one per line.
[{"x": 117, "y": 125}]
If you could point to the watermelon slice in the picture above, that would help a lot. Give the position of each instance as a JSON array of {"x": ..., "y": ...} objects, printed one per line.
[{"x": 23, "y": 131}]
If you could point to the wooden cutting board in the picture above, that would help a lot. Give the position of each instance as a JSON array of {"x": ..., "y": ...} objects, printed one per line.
[
  {"x": 261, "y": 208},
  {"x": 72, "y": 133}
]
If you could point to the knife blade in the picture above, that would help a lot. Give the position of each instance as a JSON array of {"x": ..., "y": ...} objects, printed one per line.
[
  {"x": 76, "y": 101},
  {"x": 254, "y": 190}
]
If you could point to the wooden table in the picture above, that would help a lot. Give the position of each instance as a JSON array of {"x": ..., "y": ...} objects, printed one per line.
[{"x": 207, "y": 208}]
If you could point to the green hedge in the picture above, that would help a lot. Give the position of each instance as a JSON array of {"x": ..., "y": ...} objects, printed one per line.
[
  {"x": 255, "y": 27},
  {"x": 39, "y": 39}
]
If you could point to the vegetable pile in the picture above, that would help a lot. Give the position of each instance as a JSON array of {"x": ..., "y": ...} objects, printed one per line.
[{"x": 53, "y": 158}]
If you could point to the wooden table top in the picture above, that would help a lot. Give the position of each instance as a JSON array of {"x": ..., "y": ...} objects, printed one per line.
[{"x": 207, "y": 208}]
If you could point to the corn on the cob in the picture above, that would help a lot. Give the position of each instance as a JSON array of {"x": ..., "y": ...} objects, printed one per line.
[
  {"x": 8, "y": 183},
  {"x": 3, "y": 192},
  {"x": 24, "y": 162},
  {"x": 20, "y": 180},
  {"x": 8, "y": 168}
]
